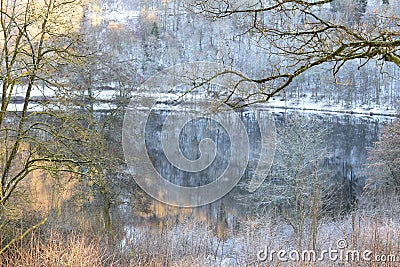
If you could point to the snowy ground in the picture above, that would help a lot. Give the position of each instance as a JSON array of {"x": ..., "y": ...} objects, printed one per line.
[
  {"x": 307, "y": 103},
  {"x": 103, "y": 101}
]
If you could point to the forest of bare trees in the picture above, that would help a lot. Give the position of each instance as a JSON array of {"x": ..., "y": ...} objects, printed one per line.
[{"x": 70, "y": 67}]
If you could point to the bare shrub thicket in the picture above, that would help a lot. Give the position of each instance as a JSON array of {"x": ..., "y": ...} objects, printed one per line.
[
  {"x": 190, "y": 243},
  {"x": 384, "y": 162},
  {"x": 298, "y": 189}
]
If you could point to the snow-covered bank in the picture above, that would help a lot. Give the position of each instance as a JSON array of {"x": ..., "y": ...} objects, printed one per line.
[
  {"x": 307, "y": 103},
  {"x": 104, "y": 99}
]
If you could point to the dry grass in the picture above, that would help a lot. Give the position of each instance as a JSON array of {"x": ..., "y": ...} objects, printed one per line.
[
  {"x": 191, "y": 243},
  {"x": 56, "y": 250}
]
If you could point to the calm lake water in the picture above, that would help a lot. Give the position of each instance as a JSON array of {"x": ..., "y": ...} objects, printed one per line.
[{"x": 346, "y": 137}]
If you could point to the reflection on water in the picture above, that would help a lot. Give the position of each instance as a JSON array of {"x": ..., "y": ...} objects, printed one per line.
[
  {"x": 200, "y": 137},
  {"x": 347, "y": 139}
]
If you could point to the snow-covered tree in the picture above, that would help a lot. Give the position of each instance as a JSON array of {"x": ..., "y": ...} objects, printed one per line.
[{"x": 305, "y": 35}]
